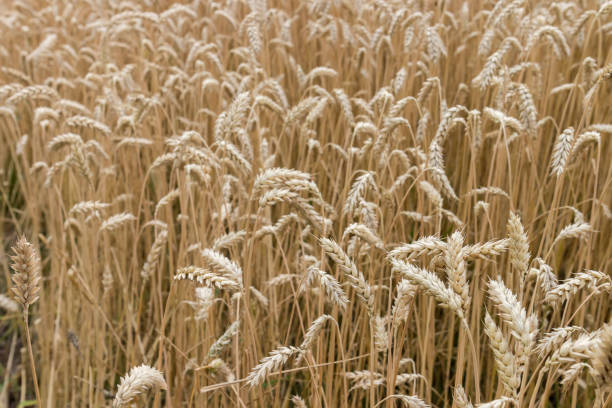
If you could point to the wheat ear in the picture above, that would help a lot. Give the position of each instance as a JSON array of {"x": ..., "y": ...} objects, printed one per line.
[
  {"x": 330, "y": 284},
  {"x": 274, "y": 361},
  {"x": 524, "y": 328},
  {"x": 410, "y": 401},
  {"x": 226, "y": 338},
  {"x": 429, "y": 282},
  {"x": 428, "y": 245},
  {"x": 601, "y": 358},
  {"x": 298, "y": 402},
  {"x": 596, "y": 281},
  {"x": 137, "y": 381},
  {"x": 456, "y": 268},
  {"x": 461, "y": 399},
  {"x": 348, "y": 267},
  {"x": 505, "y": 361},
  {"x": 154, "y": 256},
  {"x": 26, "y": 285},
  {"x": 518, "y": 245},
  {"x": 561, "y": 151}
]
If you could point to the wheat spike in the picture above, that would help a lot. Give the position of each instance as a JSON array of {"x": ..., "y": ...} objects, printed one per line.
[
  {"x": 155, "y": 254},
  {"x": 600, "y": 358},
  {"x": 523, "y": 327},
  {"x": 220, "y": 264},
  {"x": 432, "y": 193},
  {"x": 333, "y": 289},
  {"x": 136, "y": 382},
  {"x": 380, "y": 334},
  {"x": 485, "y": 77},
  {"x": 583, "y": 141},
  {"x": 207, "y": 277},
  {"x": 26, "y": 266},
  {"x": 359, "y": 189},
  {"x": 554, "y": 339},
  {"x": 217, "y": 347},
  {"x": 486, "y": 249},
  {"x": 456, "y": 268},
  {"x": 116, "y": 221},
  {"x": 272, "y": 362},
  {"x": 364, "y": 379},
  {"x": 410, "y": 401},
  {"x": 348, "y": 267},
  {"x": 503, "y": 402},
  {"x": 298, "y": 402},
  {"x": 405, "y": 294},
  {"x": 460, "y": 398},
  {"x": 431, "y": 284},
  {"x": 365, "y": 233},
  {"x": 204, "y": 300},
  {"x": 594, "y": 281},
  {"x": 561, "y": 152},
  {"x": 505, "y": 361},
  {"x": 518, "y": 244},
  {"x": 578, "y": 230},
  {"x": 314, "y": 329},
  {"x": 427, "y": 245}
]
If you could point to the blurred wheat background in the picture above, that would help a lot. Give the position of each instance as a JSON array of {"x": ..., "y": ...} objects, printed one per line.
[{"x": 313, "y": 203}]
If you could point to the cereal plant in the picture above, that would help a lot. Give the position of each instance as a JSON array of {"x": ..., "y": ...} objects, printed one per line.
[{"x": 306, "y": 203}]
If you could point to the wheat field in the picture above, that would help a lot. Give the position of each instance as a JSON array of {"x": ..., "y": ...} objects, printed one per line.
[{"x": 322, "y": 203}]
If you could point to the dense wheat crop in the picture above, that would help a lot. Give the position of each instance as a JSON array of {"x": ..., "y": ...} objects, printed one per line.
[{"x": 323, "y": 203}]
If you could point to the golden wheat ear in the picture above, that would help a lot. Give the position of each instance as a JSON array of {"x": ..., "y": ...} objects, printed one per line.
[
  {"x": 26, "y": 285},
  {"x": 26, "y": 273}
]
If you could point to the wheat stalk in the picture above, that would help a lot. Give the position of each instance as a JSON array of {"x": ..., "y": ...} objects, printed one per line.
[{"x": 300, "y": 162}]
